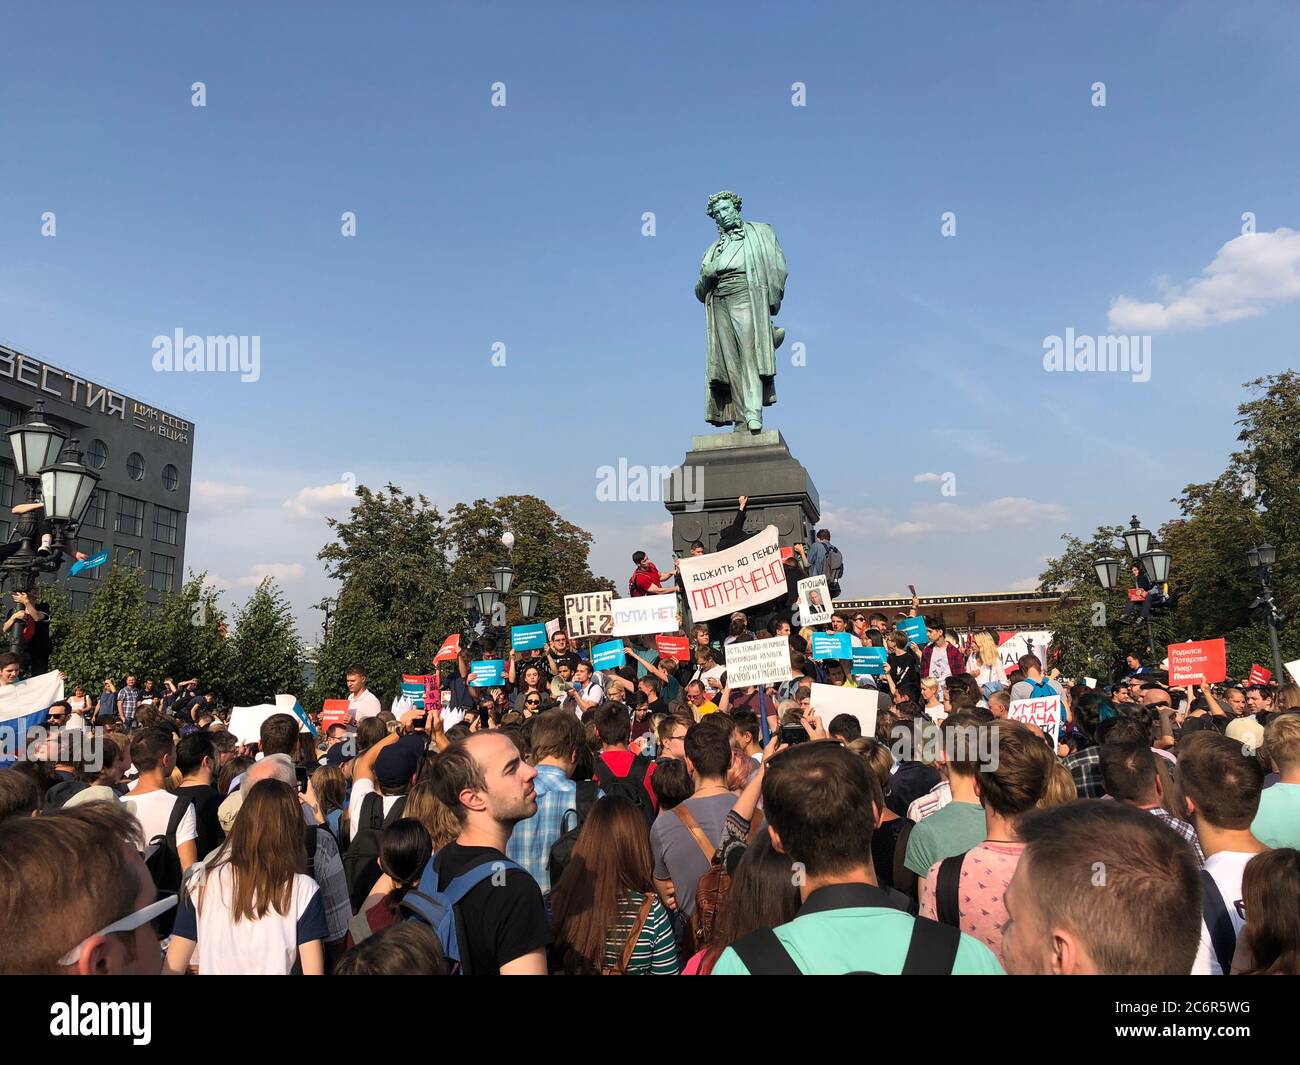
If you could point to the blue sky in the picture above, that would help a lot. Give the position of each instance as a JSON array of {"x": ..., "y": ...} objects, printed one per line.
[{"x": 522, "y": 225}]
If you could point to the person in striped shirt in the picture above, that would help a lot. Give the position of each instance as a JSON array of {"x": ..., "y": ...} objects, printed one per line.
[{"x": 606, "y": 916}]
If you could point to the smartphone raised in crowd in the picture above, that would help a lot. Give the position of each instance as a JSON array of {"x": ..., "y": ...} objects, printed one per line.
[{"x": 793, "y": 734}]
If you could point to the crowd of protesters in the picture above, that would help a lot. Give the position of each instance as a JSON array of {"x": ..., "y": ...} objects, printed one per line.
[{"x": 652, "y": 820}]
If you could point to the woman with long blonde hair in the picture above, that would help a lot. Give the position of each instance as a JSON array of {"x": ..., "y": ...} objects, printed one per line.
[
  {"x": 255, "y": 909},
  {"x": 985, "y": 665}
]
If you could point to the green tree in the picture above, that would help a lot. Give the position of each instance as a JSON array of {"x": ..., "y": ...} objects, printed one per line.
[
  {"x": 265, "y": 654},
  {"x": 183, "y": 637},
  {"x": 106, "y": 640}
]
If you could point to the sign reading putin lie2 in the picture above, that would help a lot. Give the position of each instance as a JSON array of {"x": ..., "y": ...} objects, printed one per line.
[
  {"x": 734, "y": 579},
  {"x": 588, "y": 614},
  {"x": 644, "y": 614}
]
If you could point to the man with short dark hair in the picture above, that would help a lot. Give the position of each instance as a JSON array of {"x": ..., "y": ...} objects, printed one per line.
[
  {"x": 845, "y": 728},
  {"x": 680, "y": 837},
  {"x": 1222, "y": 785},
  {"x": 646, "y": 577},
  {"x": 1259, "y": 699},
  {"x": 959, "y": 824},
  {"x": 128, "y": 698},
  {"x": 556, "y": 739},
  {"x": 820, "y": 801},
  {"x": 1100, "y": 888},
  {"x": 362, "y": 703},
  {"x": 617, "y": 763},
  {"x": 196, "y": 758},
  {"x": 1128, "y": 775},
  {"x": 940, "y": 659},
  {"x": 489, "y": 788},
  {"x": 586, "y": 692},
  {"x": 151, "y": 802}
]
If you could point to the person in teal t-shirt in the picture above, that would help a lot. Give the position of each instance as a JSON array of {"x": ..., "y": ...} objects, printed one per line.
[
  {"x": 1277, "y": 822},
  {"x": 817, "y": 797},
  {"x": 960, "y": 825}
]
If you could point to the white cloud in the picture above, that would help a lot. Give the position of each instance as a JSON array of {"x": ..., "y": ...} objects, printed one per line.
[
  {"x": 280, "y": 571},
  {"x": 1007, "y": 512},
  {"x": 1249, "y": 274},
  {"x": 219, "y": 494},
  {"x": 926, "y": 478},
  {"x": 314, "y": 502}
]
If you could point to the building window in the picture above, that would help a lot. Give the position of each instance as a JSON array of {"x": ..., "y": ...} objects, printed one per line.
[
  {"x": 130, "y": 516},
  {"x": 90, "y": 548},
  {"x": 9, "y": 416},
  {"x": 161, "y": 570},
  {"x": 6, "y": 484},
  {"x": 95, "y": 509},
  {"x": 165, "y": 524},
  {"x": 171, "y": 477},
  {"x": 135, "y": 466},
  {"x": 126, "y": 556},
  {"x": 97, "y": 454}
]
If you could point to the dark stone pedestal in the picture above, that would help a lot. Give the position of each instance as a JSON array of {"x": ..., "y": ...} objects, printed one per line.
[{"x": 702, "y": 493}]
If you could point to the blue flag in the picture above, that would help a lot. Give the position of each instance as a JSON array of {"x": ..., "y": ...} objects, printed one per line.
[
  {"x": 93, "y": 562},
  {"x": 915, "y": 629}
]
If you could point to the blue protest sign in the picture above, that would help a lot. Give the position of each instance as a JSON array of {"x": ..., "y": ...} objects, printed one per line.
[
  {"x": 831, "y": 645},
  {"x": 92, "y": 562},
  {"x": 869, "y": 661},
  {"x": 915, "y": 629},
  {"x": 413, "y": 689},
  {"x": 527, "y": 637},
  {"x": 608, "y": 655},
  {"x": 489, "y": 673}
]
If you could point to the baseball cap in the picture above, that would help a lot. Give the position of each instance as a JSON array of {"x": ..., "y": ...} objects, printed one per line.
[
  {"x": 337, "y": 754},
  {"x": 396, "y": 765},
  {"x": 1246, "y": 731}
]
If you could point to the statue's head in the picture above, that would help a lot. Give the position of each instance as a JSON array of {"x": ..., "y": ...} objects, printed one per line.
[{"x": 724, "y": 208}]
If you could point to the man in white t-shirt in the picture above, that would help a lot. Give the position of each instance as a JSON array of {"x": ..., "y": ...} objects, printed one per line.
[
  {"x": 1222, "y": 785},
  {"x": 361, "y": 702},
  {"x": 151, "y": 802}
]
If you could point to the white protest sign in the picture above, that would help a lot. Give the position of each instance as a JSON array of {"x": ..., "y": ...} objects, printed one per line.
[
  {"x": 831, "y": 700},
  {"x": 1294, "y": 669},
  {"x": 1045, "y": 713},
  {"x": 246, "y": 721},
  {"x": 815, "y": 604},
  {"x": 588, "y": 614},
  {"x": 734, "y": 579},
  {"x": 758, "y": 662},
  {"x": 644, "y": 614},
  {"x": 552, "y": 627}
]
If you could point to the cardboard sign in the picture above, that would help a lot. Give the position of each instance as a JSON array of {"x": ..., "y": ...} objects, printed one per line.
[
  {"x": 737, "y": 578},
  {"x": 678, "y": 648},
  {"x": 1259, "y": 675},
  {"x": 608, "y": 655},
  {"x": 334, "y": 712},
  {"x": 830, "y": 645},
  {"x": 1012, "y": 645},
  {"x": 527, "y": 637},
  {"x": 450, "y": 649},
  {"x": 588, "y": 614},
  {"x": 644, "y": 614},
  {"x": 1198, "y": 662},
  {"x": 915, "y": 629},
  {"x": 758, "y": 662},
  {"x": 869, "y": 661},
  {"x": 1136, "y": 595},
  {"x": 815, "y": 603},
  {"x": 831, "y": 700},
  {"x": 1045, "y": 713},
  {"x": 489, "y": 673},
  {"x": 1294, "y": 669}
]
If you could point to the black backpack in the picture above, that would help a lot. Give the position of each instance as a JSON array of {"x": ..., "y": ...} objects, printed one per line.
[
  {"x": 947, "y": 904},
  {"x": 562, "y": 848},
  {"x": 361, "y": 862},
  {"x": 833, "y": 568},
  {"x": 630, "y": 786},
  {"x": 1223, "y": 937},
  {"x": 164, "y": 863}
]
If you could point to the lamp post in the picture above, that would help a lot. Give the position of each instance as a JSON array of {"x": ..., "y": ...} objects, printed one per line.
[
  {"x": 1261, "y": 560},
  {"x": 1153, "y": 561},
  {"x": 487, "y": 605},
  {"x": 49, "y": 464}
]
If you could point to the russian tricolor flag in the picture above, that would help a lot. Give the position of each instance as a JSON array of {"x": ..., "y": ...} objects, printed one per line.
[{"x": 23, "y": 706}]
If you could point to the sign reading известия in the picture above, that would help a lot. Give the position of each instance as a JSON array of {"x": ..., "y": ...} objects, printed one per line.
[{"x": 735, "y": 578}]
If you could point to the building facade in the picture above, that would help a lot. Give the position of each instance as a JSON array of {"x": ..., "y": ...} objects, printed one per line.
[
  {"x": 1006, "y": 611},
  {"x": 143, "y": 455}
]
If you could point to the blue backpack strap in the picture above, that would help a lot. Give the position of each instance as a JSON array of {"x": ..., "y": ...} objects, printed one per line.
[{"x": 467, "y": 882}]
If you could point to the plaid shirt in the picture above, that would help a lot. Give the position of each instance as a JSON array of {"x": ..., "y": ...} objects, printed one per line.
[
  {"x": 127, "y": 699},
  {"x": 557, "y": 812},
  {"x": 333, "y": 885},
  {"x": 1085, "y": 767},
  {"x": 1183, "y": 828}
]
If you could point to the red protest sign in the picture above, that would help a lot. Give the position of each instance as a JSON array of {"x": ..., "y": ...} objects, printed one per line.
[
  {"x": 1198, "y": 662},
  {"x": 1259, "y": 675},
  {"x": 675, "y": 647},
  {"x": 450, "y": 649},
  {"x": 334, "y": 712}
]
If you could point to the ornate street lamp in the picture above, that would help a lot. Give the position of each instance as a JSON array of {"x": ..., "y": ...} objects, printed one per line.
[
  {"x": 67, "y": 486},
  {"x": 1136, "y": 538},
  {"x": 1262, "y": 559},
  {"x": 1107, "y": 572},
  {"x": 529, "y": 601},
  {"x": 36, "y": 443},
  {"x": 1155, "y": 564}
]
